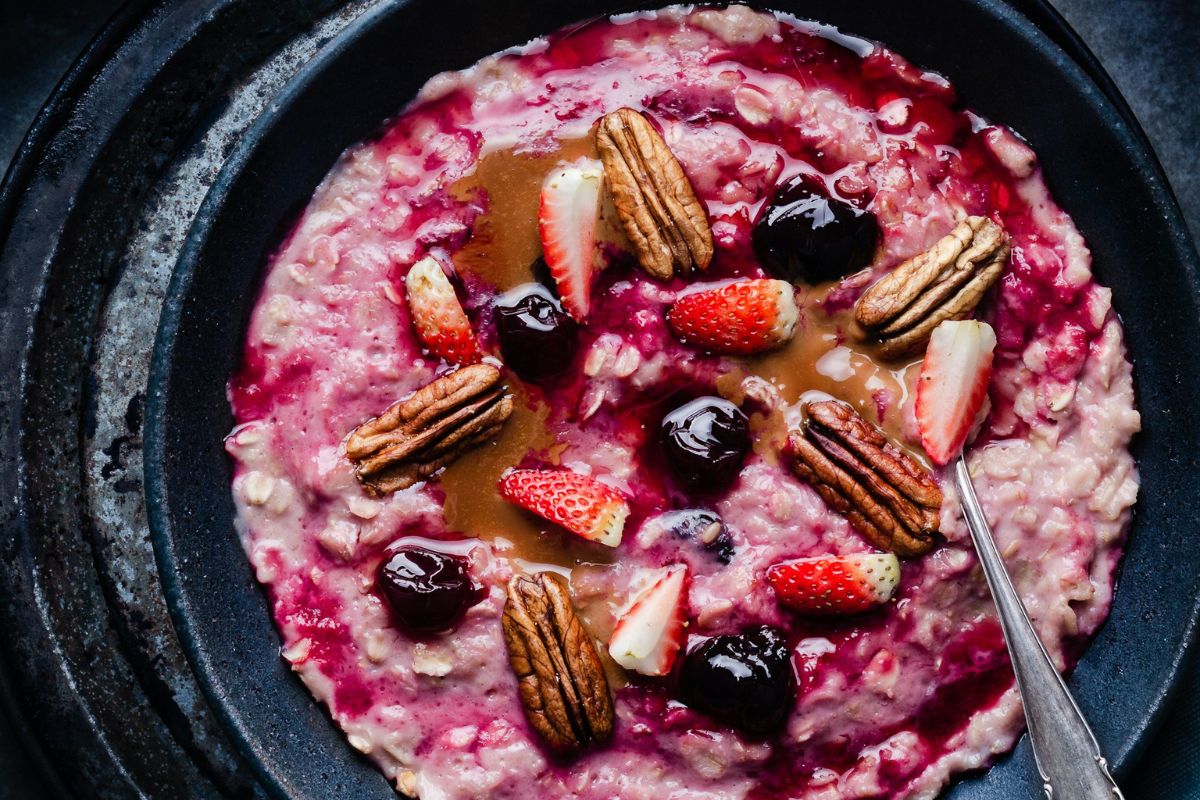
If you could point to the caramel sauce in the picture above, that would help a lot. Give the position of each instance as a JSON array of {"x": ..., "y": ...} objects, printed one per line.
[
  {"x": 501, "y": 251},
  {"x": 472, "y": 504},
  {"x": 504, "y": 243},
  {"x": 821, "y": 360},
  {"x": 827, "y": 357}
]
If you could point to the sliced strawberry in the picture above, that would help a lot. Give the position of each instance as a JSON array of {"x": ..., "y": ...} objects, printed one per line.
[
  {"x": 648, "y": 636},
  {"x": 740, "y": 318},
  {"x": 567, "y": 216},
  {"x": 582, "y": 505},
  {"x": 836, "y": 584},
  {"x": 441, "y": 323},
  {"x": 953, "y": 385}
]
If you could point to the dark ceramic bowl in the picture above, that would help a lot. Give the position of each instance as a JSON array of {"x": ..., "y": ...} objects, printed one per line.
[{"x": 1097, "y": 166}]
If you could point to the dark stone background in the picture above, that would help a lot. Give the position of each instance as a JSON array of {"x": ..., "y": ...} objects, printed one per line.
[{"x": 1150, "y": 47}]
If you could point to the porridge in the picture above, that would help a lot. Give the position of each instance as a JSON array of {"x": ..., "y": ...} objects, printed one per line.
[{"x": 589, "y": 433}]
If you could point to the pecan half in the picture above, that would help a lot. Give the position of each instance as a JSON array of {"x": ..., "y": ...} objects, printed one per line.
[
  {"x": 945, "y": 282},
  {"x": 419, "y": 435},
  {"x": 885, "y": 494},
  {"x": 559, "y": 675},
  {"x": 664, "y": 221}
]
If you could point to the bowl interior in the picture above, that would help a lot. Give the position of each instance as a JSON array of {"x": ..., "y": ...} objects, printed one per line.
[{"x": 1097, "y": 167}]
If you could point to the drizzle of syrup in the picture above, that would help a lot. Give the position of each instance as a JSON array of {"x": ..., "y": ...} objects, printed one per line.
[
  {"x": 473, "y": 505},
  {"x": 504, "y": 242},
  {"x": 500, "y": 254},
  {"x": 827, "y": 358}
]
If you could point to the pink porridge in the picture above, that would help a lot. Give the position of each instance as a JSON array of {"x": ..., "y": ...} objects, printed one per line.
[{"x": 537, "y": 165}]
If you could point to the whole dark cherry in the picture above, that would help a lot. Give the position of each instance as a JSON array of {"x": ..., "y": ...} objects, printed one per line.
[
  {"x": 704, "y": 527},
  {"x": 706, "y": 441},
  {"x": 745, "y": 680},
  {"x": 537, "y": 338},
  {"x": 804, "y": 233},
  {"x": 427, "y": 591}
]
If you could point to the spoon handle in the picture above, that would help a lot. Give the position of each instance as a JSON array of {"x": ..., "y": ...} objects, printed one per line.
[{"x": 1064, "y": 748}]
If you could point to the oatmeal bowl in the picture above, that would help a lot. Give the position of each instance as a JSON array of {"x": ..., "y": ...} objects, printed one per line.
[{"x": 586, "y": 433}]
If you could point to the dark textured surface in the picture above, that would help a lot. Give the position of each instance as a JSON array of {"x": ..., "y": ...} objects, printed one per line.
[
  {"x": 38, "y": 42},
  {"x": 1151, "y": 48},
  {"x": 1149, "y": 45}
]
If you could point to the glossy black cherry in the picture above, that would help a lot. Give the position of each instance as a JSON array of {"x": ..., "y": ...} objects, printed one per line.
[
  {"x": 804, "y": 233},
  {"x": 705, "y": 442},
  {"x": 538, "y": 339},
  {"x": 744, "y": 680},
  {"x": 427, "y": 591}
]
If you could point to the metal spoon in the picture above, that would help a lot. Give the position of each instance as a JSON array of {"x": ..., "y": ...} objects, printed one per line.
[{"x": 1064, "y": 747}]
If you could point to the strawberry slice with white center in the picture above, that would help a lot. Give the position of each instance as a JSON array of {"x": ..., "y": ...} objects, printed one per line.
[
  {"x": 649, "y": 635},
  {"x": 441, "y": 323},
  {"x": 739, "y": 318},
  {"x": 953, "y": 386},
  {"x": 570, "y": 206},
  {"x": 836, "y": 585},
  {"x": 583, "y": 505}
]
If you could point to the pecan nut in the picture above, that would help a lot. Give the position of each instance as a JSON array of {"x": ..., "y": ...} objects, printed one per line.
[
  {"x": 884, "y": 493},
  {"x": 945, "y": 282},
  {"x": 560, "y": 677},
  {"x": 419, "y": 435},
  {"x": 664, "y": 221}
]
